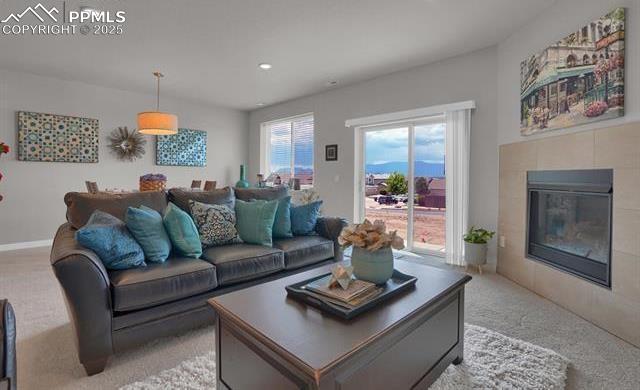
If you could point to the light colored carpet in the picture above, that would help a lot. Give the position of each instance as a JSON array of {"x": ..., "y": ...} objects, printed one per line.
[
  {"x": 196, "y": 374},
  {"x": 47, "y": 357},
  {"x": 492, "y": 361}
]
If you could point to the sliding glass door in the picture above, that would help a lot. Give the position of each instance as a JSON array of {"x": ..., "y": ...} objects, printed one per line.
[
  {"x": 386, "y": 166},
  {"x": 404, "y": 181},
  {"x": 429, "y": 188}
]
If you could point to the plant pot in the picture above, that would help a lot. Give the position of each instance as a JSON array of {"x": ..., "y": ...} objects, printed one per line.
[
  {"x": 372, "y": 266},
  {"x": 475, "y": 254}
]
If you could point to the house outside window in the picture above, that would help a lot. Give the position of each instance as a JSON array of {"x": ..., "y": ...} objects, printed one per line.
[{"x": 287, "y": 151}]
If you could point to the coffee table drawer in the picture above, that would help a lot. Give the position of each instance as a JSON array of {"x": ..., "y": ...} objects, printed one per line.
[{"x": 403, "y": 365}]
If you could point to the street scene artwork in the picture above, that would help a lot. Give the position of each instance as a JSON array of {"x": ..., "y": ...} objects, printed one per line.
[{"x": 577, "y": 80}]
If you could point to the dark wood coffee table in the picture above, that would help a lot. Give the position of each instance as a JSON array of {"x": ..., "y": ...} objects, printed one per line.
[{"x": 265, "y": 340}]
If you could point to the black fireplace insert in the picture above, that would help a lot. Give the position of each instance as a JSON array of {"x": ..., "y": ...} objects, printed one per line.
[{"x": 569, "y": 221}]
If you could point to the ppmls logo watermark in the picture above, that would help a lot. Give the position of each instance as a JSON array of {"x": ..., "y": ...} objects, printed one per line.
[{"x": 40, "y": 20}]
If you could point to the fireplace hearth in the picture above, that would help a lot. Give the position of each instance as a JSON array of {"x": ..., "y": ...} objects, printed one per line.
[{"x": 569, "y": 221}]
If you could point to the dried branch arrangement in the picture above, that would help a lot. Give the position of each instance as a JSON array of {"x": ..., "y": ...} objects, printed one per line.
[{"x": 370, "y": 236}]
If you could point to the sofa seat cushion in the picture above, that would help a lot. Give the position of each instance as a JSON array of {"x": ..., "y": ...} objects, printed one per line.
[
  {"x": 240, "y": 262},
  {"x": 158, "y": 283},
  {"x": 304, "y": 250}
]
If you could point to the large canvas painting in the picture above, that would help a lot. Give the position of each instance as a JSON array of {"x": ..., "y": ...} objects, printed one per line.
[
  {"x": 57, "y": 138},
  {"x": 187, "y": 148},
  {"x": 577, "y": 80}
]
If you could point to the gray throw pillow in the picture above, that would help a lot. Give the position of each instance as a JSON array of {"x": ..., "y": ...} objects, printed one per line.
[{"x": 216, "y": 223}]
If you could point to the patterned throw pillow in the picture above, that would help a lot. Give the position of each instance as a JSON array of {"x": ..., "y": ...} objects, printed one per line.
[{"x": 216, "y": 223}]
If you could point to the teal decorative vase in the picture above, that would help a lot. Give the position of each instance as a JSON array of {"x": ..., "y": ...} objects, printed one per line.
[
  {"x": 242, "y": 183},
  {"x": 375, "y": 267}
]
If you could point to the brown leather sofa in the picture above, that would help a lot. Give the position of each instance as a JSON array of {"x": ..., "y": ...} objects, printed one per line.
[
  {"x": 8, "y": 368},
  {"x": 115, "y": 310}
]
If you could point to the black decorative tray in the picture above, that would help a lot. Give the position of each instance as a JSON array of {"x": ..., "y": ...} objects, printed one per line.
[{"x": 398, "y": 283}]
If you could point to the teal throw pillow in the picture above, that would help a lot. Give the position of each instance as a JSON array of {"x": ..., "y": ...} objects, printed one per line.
[
  {"x": 109, "y": 238},
  {"x": 255, "y": 221},
  {"x": 282, "y": 222},
  {"x": 182, "y": 231},
  {"x": 304, "y": 218},
  {"x": 147, "y": 228}
]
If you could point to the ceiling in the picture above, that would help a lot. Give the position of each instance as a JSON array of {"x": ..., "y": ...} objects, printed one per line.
[{"x": 209, "y": 50}]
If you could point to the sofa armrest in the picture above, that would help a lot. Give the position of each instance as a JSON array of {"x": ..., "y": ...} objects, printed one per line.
[
  {"x": 8, "y": 366},
  {"x": 85, "y": 283},
  {"x": 330, "y": 228}
]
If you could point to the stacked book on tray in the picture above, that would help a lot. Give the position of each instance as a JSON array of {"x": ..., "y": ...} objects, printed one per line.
[{"x": 356, "y": 294}]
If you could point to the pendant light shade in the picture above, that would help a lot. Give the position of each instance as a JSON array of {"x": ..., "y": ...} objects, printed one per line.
[{"x": 157, "y": 122}]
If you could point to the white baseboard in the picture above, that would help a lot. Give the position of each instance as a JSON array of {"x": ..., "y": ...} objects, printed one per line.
[{"x": 25, "y": 245}]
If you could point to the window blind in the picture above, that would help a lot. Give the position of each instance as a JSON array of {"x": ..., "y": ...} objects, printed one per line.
[{"x": 291, "y": 150}]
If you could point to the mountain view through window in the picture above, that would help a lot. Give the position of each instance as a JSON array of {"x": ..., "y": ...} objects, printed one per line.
[{"x": 291, "y": 151}]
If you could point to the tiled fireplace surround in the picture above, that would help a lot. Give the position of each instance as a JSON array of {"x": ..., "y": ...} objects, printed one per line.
[{"x": 618, "y": 309}]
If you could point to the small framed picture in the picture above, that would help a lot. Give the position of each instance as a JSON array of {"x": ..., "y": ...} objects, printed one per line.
[{"x": 331, "y": 152}]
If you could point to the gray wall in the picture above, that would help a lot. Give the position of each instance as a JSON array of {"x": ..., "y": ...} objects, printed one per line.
[
  {"x": 557, "y": 22},
  {"x": 33, "y": 192},
  {"x": 467, "y": 77}
]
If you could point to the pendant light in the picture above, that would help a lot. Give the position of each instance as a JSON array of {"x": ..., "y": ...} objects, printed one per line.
[{"x": 157, "y": 122}]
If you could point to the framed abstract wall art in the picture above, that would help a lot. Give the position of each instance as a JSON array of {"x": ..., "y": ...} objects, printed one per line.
[
  {"x": 577, "y": 80},
  {"x": 331, "y": 152},
  {"x": 187, "y": 148},
  {"x": 57, "y": 138}
]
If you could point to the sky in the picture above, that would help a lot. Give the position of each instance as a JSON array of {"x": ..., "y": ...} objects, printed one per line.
[
  {"x": 381, "y": 146},
  {"x": 392, "y": 145}
]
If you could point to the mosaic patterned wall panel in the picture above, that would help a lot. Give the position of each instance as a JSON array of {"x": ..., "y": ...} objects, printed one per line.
[
  {"x": 187, "y": 148},
  {"x": 57, "y": 138}
]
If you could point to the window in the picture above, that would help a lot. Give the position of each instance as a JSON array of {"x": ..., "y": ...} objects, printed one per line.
[{"x": 288, "y": 150}]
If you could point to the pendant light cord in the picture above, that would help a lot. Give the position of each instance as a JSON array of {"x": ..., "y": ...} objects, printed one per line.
[{"x": 158, "y": 76}]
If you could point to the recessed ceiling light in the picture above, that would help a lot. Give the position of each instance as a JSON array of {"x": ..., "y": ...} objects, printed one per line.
[
  {"x": 265, "y": 66},
  {"x": 332, "y": 83},
  {"x": 260, "y": 104}
]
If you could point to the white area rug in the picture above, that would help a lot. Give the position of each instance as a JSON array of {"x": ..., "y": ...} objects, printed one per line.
[
  {"x": 491, "y": 361},
  {"x": 495, "y": 361}
]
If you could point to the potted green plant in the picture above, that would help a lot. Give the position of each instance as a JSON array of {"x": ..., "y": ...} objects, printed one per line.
[{"x": 475, "y": 246}]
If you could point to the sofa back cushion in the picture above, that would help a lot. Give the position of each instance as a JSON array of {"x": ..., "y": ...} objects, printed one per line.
[
  {"x": 269, "y": 193},
  {"x": 223, "y": 196},
  {"x": 81, "y": 205}
]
